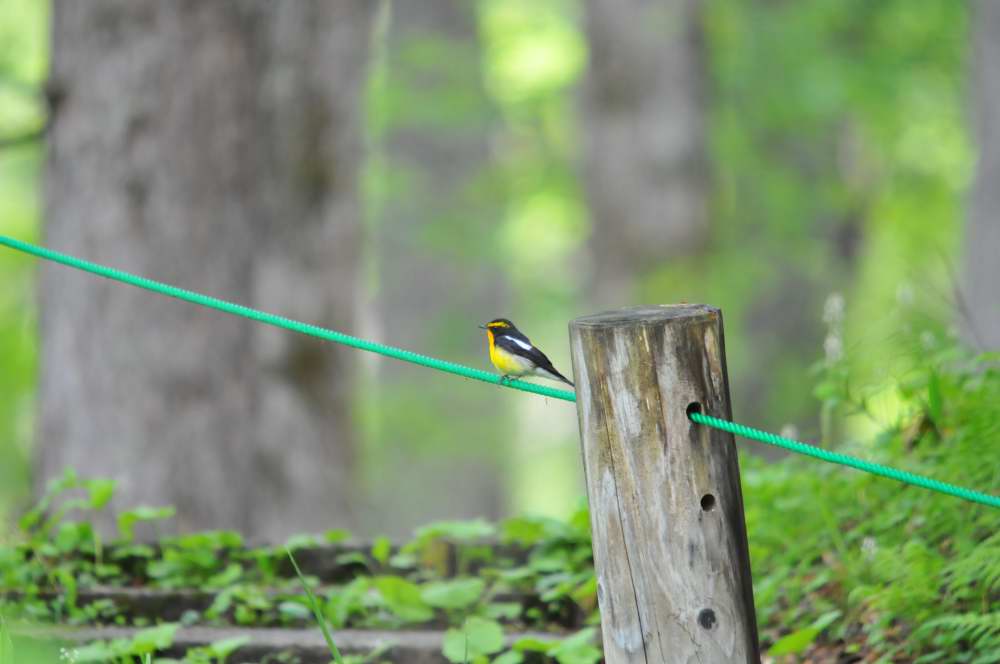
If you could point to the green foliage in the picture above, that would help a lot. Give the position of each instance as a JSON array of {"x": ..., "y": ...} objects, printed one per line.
[
  {"x": 215, "y": 653},
  {"x": 23, "y": 68},
  {"x": 840, "y": 162},
  {"x": 127, "y": 520},
  {"x": 915, "y": 572},
  {"x": 6, "y": 643},
  {"x": 124, "y": 651},
  {"x": 894, "y": 570},
  {"x": 800, "y": 639},
  {"x": 575, "y": 649},
  {"x": 403, "y": 599},
  {"x": 843, "y": 173},
  {"x": 478, "y": 638},
  {"x": 454, "y": 594},
  {"x": 451, "y": 573},
  {"x": 317, "y": 611}
]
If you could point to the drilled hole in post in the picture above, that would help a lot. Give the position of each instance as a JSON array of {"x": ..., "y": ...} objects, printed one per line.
[
  {"x": 693, "y": 407},
  {"x": 708, "y": 502},
  {"x": 707, "y": 618}
]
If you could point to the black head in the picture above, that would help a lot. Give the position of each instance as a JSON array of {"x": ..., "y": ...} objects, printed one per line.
[{"x": 499, "y": 325}]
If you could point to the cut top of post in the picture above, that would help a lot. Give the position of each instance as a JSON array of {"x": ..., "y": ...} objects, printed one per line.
[{"x": 659, "y": 313}]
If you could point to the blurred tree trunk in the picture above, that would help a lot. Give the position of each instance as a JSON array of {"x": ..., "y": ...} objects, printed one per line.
[
  {"x": 982, "y": 242},
  {"x": 645, "y": 164},
  {"x": 434, "y": 285},
  {"x": 214, "y": 146}
]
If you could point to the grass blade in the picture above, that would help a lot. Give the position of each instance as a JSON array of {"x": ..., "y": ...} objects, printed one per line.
[
  {"x": 337, "y": 657},
  {"x": 6, "y": 644}
]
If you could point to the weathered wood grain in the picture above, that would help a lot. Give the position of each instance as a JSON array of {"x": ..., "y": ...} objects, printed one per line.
[{"x": 670, "y": 544}]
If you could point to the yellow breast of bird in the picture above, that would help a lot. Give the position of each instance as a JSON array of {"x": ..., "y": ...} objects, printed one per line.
[{"x": 506, "y": 362}]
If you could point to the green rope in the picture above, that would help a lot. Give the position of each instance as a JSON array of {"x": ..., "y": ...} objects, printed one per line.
[
  {"x": 478, "y": 374},
  {"x": 281, "y": 321},
  {"x": 845, "y": 460}
]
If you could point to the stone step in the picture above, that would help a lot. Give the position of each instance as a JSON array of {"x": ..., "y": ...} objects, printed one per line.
[
  {"x": 305, "y": 646},
  {"x": 171, "y": 605}
]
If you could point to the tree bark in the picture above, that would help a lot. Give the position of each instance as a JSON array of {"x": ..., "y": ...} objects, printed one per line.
[
  {"x": 982, "y": 237},
  {"x": 213, "y": 146},
  {"x": 645, "y": 163},
  {"x": 433, "y": 230}
]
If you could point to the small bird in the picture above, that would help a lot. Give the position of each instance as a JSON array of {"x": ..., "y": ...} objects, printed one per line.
[{"x": 513, "y": 354}]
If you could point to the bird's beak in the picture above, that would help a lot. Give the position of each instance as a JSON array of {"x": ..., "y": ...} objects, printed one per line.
[{"x": 482, "y": 327}]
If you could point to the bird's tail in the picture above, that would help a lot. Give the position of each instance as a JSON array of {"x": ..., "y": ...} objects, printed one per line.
[{"x": 558, "y": 376}]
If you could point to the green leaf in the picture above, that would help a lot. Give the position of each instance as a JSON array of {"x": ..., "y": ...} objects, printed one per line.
[
  {"x": 504, "y": 610},
  {"x": 101, "y": 492},
  {"x": 226, "y": 577},
  {"x": 70, "y": 536},
  {"x": 403, "y": 599},
  {"x": 827, "y": 619},
  {"x": 127, "y": 520},
  {"x": 352, "y": 558},
  {"x": 403, "y": 561},
  {"x": 485, "y": 636},
  {"x": 577, "y": 649},
  {"x": 99, "y": 651},
  {"x": 347, "y": 600},
  {"x": 6, "y": 643},
  {"x": 69, "y": 586},
  {"x": 799, "y": 640},
  {"x": 223, "y": 648},
  {"x": 794, "y": 643},
  {"x": 455, "y": 646},
  {"x": 934, "y": 398},
  {"x": 532, "y": 644},
  {"x": 336, "y": 535},
  {"x": 296, "y": 542},
  {"x": 153, "y": 639},
  {"x": 381, "y": 549},
  {"x": 525, "y": 531},
  {"x": 317, "y": 612},
  {"x": 455, "y": 594},
  {"x": 293, "y": 610},
  {"x": 461, "y": 531},
  {"x": 509, "y": 657},
  {"x": 478, "y": 637}
]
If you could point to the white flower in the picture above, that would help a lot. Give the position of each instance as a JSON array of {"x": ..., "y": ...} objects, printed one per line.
[
  {"x": 868, "y": 548},
  {"x": 833, "y": 348},
  {"x": 833, "y": 309}
]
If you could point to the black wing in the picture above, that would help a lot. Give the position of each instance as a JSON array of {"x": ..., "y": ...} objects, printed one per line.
[
  {"x": 509, "y": 342},
  {"x": 518, "y": 344}
]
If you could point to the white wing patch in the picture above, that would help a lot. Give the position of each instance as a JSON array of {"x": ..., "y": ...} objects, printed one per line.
[{"x": 525, "y": 346}]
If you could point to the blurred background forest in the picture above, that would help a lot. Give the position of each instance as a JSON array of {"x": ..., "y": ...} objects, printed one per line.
[{"x": 406, "y": 171}]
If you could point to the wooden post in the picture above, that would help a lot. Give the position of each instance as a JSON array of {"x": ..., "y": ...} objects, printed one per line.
[{"x": 666, "y": 510}]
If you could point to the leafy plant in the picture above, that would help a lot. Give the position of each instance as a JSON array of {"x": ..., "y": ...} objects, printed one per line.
[
  {"x": 893, "y": 571},
  {"x": 478, "y": 638},
  {"x": 142, "y": 645},
  {"x": 317, "y": 612},
  {"x": 903, "y": 571}
]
